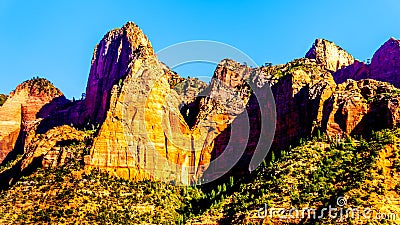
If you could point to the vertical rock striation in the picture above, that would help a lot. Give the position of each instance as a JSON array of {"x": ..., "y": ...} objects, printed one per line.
[
  {"x": 144, "y": 136},
  {"x": 110, "y": 65}
]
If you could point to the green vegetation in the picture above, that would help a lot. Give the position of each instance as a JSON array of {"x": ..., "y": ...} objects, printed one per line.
[
  {"x": 314, "y": 174},
  {"x": 39, "y": 86},
  {"x": 10, "y": 164},
  {"x": 174, "y": 79},
  {"x": 70, "y": 194},
  {"x": 3, "y": 99},
  {"x": 193, "y": 84},
  {"x": 304, "y": 65}
]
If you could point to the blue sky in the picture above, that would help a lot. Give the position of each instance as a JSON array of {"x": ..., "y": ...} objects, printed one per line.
[{"x": 55, "y": 39}]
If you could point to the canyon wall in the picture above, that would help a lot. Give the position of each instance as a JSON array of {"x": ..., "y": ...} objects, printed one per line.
[{"x": 154, "y": 124}]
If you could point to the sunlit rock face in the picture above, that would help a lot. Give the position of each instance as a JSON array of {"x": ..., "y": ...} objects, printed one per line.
[
  {"x": 27, "y": 104},
  {"x": 329, "y": 55},
  {"x": 145, "y": 136},
  {"x": 111, "y": 64}
]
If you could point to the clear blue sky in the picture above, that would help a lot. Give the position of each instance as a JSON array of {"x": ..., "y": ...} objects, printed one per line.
[{"x": 55, "y": 39}]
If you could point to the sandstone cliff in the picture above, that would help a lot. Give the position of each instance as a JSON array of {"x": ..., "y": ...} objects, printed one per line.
[
  {"x": 156, "y": 125},
  {"x": 135, "y": 139},
  {"x": 135, "y": 145},
  {"x": 358, "y": 107},
  {"x": 145, "y": 135},
  {"x": 23, "y": 108}
]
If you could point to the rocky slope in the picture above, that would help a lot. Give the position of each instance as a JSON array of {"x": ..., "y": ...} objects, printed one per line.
[
  {"x": 359, "y": 106},
  {"x": 365, "y": 172},
  {"x": 45, "y": 151},
  {"x": 71, "y": 195}
]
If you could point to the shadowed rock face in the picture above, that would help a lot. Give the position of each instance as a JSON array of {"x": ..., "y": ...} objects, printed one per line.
[
  {"x": 356, "y": 71},
  {"x": 385, "y": 64},
  {"x": 299, "y": 98}
]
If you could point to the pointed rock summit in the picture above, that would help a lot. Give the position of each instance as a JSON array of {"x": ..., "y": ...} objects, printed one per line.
[
  {"x": 328, "y": 54},
  {"x": 112, "y": 62},
  {"x": 24, "y": 107},
  {"x": 385, "y": 64}
]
